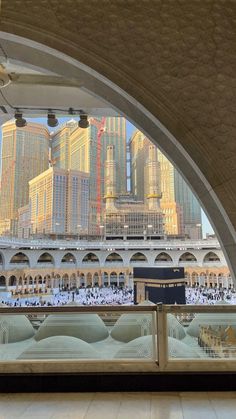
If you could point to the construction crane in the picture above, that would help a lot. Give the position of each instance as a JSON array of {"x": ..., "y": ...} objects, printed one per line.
[{"x": 100, "y": 125}]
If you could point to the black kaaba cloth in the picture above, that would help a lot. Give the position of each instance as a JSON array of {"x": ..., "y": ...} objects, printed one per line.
[{"x": 165, "y": 285}]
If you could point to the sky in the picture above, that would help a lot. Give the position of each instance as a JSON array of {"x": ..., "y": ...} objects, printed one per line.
[{"x": 206, "y": 226}]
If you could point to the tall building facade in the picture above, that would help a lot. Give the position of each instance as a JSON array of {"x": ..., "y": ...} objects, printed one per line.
[
  {"x": 181, "y": 208},
  {"x": 60, "y": 144},
  {"x": 24, "y": 156},
  {"x": 191, "y": 209},
  {"x": 138, "y": 153},
  {"x": 80, "y": 145},
  {"x": 129, "y": 217},
  {"x": 59, "y": 202}
]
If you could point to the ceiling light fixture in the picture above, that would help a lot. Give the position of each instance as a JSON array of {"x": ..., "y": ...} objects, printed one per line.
[
  {"x": 20, "y": 121},
  {"x": 83, "y": 121},
  {"x": 52, "y": 120}
]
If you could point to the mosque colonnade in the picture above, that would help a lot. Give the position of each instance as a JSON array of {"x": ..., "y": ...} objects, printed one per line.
[{"x": 24, "y": 270}]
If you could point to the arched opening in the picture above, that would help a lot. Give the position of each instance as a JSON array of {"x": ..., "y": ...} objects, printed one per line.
[
  {"x": 163, "y": 257},
  {"x": 1, "y": 259},
  {"x": 113, "y": 278},
  {"x": 105, "y": 279},
  {"x": 138, "y": 257},
  {"x": 12, "y": 281},
  {"x": 114, "y": 257},
  {"x": 56, "y": 282},
  {"x": 187, "y": 257},
  {"x": 121, "y": 278},
  {"x": 73, "y": 281},
  {"x": 69, "y": 258},
  {"x": 65, "y": 282},
  {"x": 211, "y": 257},
  {"x": 195, "y": 279},
  {"x": 82, "y": 280},
  {"x": 90, "y": 258},
  {"x": 20, "y": 259},
  {"x": 45, "y": 258},
  {"x": 89, "y": 280},
  {"x": 130, "y": 106},
  {"x": 96, "y": 279},
  {"x": 2, "y": 281}
]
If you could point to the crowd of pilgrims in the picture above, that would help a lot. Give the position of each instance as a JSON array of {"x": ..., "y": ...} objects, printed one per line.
[{"x": 114, "y": 295}]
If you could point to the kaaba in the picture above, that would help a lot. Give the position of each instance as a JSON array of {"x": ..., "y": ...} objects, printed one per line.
[{"x": 159, "y": 285}]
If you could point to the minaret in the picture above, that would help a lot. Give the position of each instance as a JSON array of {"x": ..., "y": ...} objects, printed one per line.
[
  {"x": 153, "y": 179},
  {"x": 110, "y": 179}
]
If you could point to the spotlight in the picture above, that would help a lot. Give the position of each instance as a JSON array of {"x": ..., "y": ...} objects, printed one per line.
[
  {"x": 20, "y": 121},
  {"x": 52, "y": 120},
  {"x": 83, "y": 122}
]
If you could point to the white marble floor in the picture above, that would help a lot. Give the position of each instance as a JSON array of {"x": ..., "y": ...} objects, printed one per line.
[{"x": 211, "y": 405}]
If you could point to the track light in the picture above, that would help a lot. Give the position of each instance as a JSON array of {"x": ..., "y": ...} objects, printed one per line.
[
  {"x": 52, "y": 120},
  {"x": 83, "y": 122},
  {"x": 20, "y": 121}
]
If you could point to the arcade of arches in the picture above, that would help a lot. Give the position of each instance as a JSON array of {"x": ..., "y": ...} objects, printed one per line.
[
  {"x": 31, "y": 281},
  {"x": 37, "y": 271}
]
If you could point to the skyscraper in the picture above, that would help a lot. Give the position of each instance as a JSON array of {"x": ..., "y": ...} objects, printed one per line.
[
  {"x": 58, "y": 201},
  {"x": 80, "y": 145},
  {"x": 24, "y": 156},
  {"x": 181, "y": 208},
  {"x": 131, "y": 218},
  {"x": 191, "y": 208},
  {"x": 60, "y": 144}
]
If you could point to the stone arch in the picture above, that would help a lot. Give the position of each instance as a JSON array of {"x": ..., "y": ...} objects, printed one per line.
[
  {"x": 65, "y": 281},
  {"x": 121, "y": 278},
  {"x": 212, "y": 280},
  {"x": 211, "y": 257},
  {"x": 105, "y": 279},
  {"x": 73, "y": 280},
  {"x": 114, "y": 257},
  {"x": 90, "y": 258},
  {"x": 89, "y": 279},
  {"x": 195, "y": 279},
  {"x": 56, "y": 281},
  {"x": 45, "y": 257},
  {"x": 12, "y": 281},
  {"x": 187, "y": 257},
  {"x": 29, "y": 279},
  {"x": 20, "y": 258},
  {"x": 82, "y": 279},
  {"x": 163, "y": 257},
  {"x": 138, "y": 257},
  {"x": 96, "y": 279},
  {"x": 2, "y": 281},
  {"x": 114, "y": 278},
  {"x": 40, "y": 280},
  {"x": 139, "y": 97},
  {"x": 69, "y": 258}
]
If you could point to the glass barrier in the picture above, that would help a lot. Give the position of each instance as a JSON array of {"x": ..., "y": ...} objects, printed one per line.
[
  {"x": 118, "y": 338},
  {"x": 201, "y": 333},
  {"x": 77, "y": 333}
]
